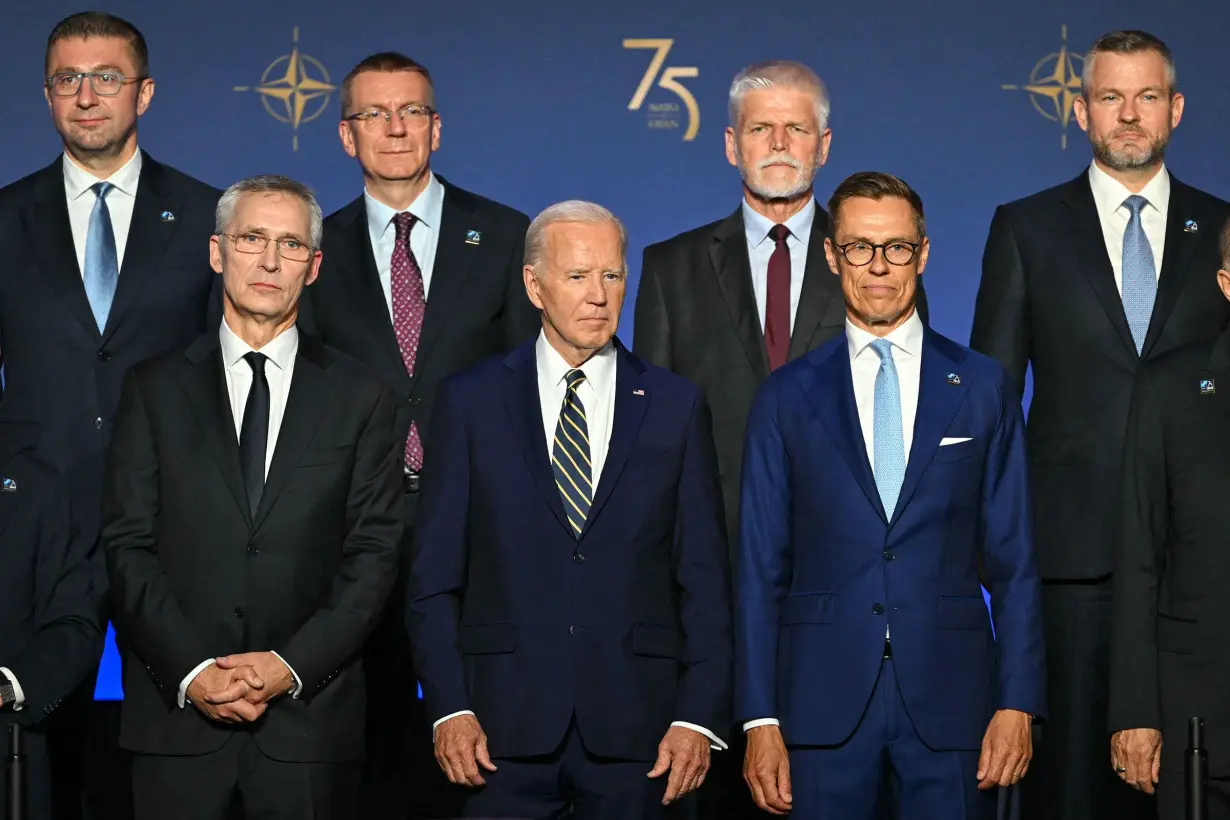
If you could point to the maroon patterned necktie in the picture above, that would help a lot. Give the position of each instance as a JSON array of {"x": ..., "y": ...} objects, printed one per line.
[
  {"x": 777, "y": 300},
  {"x": 409, "y": 305}
]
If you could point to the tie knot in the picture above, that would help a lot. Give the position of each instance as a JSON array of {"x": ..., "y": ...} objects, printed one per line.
[
  {"x": 574, "y": 378},
  {"x": 256, "y": 361},
  {"x": 101, "y": 189},
  {"x": 404, "y": 221},
  {"x": 1135, "y": 203},
  {"x": 883, "y": 349},
  {"x": 779, "y": 233}
]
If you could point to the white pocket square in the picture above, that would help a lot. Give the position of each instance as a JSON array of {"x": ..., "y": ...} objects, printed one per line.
[{"x": 944, "y": 442}]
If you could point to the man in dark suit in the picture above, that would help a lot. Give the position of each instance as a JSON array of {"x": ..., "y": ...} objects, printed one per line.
[
  {"x": 1170, "y": 658},
  {"x": 884, "y": 480},
  {"x": 1083, "y": 282},
  {"x": 251, "y": 523},
  {"x": 420, "y": 279},
  {"x": 569, "y": 588},
  {"x": 51, "y": 595}
]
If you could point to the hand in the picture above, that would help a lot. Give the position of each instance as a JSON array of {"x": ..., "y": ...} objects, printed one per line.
[
  {"x": 461, "y": 747},
  {"x": 276, "y": 676},
  {"x": 1007, "y": 748},
  {"x": 219, "y": 694},
  {"x": 1136, "y": 755},
  {"x": 766, "y": 769},
  {"x": 684, "y": 753}
]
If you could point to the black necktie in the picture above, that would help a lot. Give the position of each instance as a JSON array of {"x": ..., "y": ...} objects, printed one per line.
[{"x": 254, "y": 434}]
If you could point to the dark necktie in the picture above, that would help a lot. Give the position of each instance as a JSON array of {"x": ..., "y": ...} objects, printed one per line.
[
  {"x": 102, "y": 268},
  {"x": 254, "y": 432},
  {"x": 409, "y": 306},
  {"x": 570, "y": 459},
  {"x": 777, "y": 300}
]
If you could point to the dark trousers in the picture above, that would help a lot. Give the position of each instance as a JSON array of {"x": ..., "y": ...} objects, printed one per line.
[
  {"x": 1071, "y": 777},
  {"x": 849, "y": 780},
  {"x": 240, "y": 781},
  {"x": 1172, "y": 796}
]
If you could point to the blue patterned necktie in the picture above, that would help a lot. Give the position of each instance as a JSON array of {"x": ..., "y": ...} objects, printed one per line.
[
  {"x": 1139, "y": 273},
  {"x": 888, "y": 460},
  {"x": 102, "y": 267},
  {"x": 570, "y": 459}
]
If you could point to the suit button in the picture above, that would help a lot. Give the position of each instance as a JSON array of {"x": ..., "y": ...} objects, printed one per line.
[
  {"x": 239, "y": 611},
  {"x": 877, "y": 609},
  {"x": 572, "y": 630},
  {"x": 98, "y": 423},
  {"x": 252, "y": 550},
  {"x": 578, "y": 558},
  {"x": 888, "y": 556},
  {"x": 104, "y": 356}
]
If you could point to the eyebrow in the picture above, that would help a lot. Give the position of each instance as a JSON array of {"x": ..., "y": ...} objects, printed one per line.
[
  {"x": 262, "y": 232},
  {"x": 1159, "y": 88},
  {"x": 72, "y": 69},
  {"x": 888, "y": 241}
]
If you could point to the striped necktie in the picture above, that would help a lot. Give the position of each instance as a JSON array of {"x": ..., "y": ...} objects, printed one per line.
[{"x": 570, "y": 459}]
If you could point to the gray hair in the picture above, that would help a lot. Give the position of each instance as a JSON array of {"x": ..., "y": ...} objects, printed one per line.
[
  {"x": 269, "y": 184},
  {"x": 574, "y": 210},
  {"x": 1128, "y": 42},
  {"x": 779, "y": 74}
]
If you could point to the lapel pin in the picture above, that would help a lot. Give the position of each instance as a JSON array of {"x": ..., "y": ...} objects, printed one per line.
[
  {"x": 953, "y": 378},
  {"x": 473, "y": 237},
  {"x": 638, "y": 392},
  {"x": 9, "y": 486},
  {"x": 1191, "y": 226},
  {"x": 167, "y": 216},
  {"x": 1207, "y": 388}
]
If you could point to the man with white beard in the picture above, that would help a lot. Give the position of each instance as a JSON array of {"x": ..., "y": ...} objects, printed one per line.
[{"x": 726, "y": 303}]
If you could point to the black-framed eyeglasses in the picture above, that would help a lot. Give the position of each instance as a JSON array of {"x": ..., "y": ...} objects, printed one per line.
[
  {"x": 104, "y": 83},
  {"x": 413, "y": 115},
  {"x": 897, "y": 252},
  {"x": 290, "y": 249}
]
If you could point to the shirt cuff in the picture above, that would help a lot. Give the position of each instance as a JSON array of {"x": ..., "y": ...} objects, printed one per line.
[
  {"x": 435, "y": 725},
  {"x": 294, "y": 693},
  {"x": 715, "y": 742},
  {"x": 752, "y": 724},
  {"x": 188, "y": 679},
  {"x": 19, "y": 696}
]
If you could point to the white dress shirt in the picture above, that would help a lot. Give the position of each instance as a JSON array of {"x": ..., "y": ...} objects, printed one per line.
[
  {"x": 760, "y": 247},
  {"x": 281, "y": 352},
  {"x": 428, "y": 209},
  {"x": 597, "y": 394},
  {"x": 1109, "y": 195},
  {"x": 120, "y": 202},
  {"x": 907, "y": 342}
]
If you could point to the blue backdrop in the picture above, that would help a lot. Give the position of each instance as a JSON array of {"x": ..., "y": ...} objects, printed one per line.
[{"x": 968, "y": 100}]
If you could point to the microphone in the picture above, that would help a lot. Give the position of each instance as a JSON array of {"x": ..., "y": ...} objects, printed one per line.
[
  {"x": 1197, "y": 771},
  {"x": 15, "y": 770}
]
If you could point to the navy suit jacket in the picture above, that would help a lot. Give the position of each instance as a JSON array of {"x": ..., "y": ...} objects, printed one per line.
[
  {"x": 626, "y": 627},
  {"x": 821, "y": 571}
]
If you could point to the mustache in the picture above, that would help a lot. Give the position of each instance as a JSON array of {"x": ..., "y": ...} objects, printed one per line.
[{"x": 779, "y": 159}]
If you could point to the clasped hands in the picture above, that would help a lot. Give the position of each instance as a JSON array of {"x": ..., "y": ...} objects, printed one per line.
[{"x": 238, "y": 688}]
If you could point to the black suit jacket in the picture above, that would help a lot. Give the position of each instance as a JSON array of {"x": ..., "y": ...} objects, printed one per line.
[
  {"x": 195, "y": 576},
  {"x": 59, "y": 370},
  {"x": 696, "y": 315},
  {"x": 53, "y": 583},
  {"x": 1048, "y": 299},
  {"x": 1171, "y": 627},
  {"x": 476, "y": 306}
]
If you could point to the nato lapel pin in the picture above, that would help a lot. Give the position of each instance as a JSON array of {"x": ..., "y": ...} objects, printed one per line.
[
  {"x": 9, "y": 486},
  {"x": 167, "y": 216},
  {"x": 953, "y": 378},
  {"x": 1207, "y": 388},
  {"x": 473, "y": 237},
  {"x": 1191, "y": 226}
]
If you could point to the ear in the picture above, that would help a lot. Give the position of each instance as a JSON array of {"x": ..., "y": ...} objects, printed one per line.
[
  {"x": 1223, "y": 282},
  {"x": 346, "y": 135},
  {"x": 313, "y": 268},
  {"x": 923, "y": 253},
  {"x": 731, "y": 154},
  {"x": 1081, "y": 110},
  {"x": 215, "y": 253},
  {"x": 531, "y": 286},
  {"x": 144, "y": 96},
  {"x": 1176, "y": 109},
  {"x": 825, "y": 139},
  {"x": 435, "y": 132},
  {"x": 830, "y": 253}
]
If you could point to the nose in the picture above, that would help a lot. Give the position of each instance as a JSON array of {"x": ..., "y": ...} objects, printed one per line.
[
  {"x": 271, "y": 260},
  {"x": 397, "y": 125},
  {"x": 778, "y": 137},
  {"x": 1128, "y": 112},
  {"x": 86, "y": 98},
  {"x": 878, "y": 265}
]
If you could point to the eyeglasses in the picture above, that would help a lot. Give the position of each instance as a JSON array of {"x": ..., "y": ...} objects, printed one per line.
[
  {"x": 897, "y": 252},
  {"x": 104, "y": 83},
  {"x": 292, "y": 250},
  {"x": 413, "y": 115}
]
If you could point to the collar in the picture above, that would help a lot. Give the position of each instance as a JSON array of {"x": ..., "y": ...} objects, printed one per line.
[
  {"x": 78, "y": 180},
  {"x": 757, "y": 226},
  {"x": 1109, "y": 193},
  {"x": 599, "y": 370},
  {"x": 427, "y": 207},
  {"x": 908, "y": 337},
  {"x": 281, "y": 350}
]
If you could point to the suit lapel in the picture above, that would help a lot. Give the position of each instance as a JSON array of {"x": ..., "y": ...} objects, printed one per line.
[
  {"x": 46, "y": 222},
  {"x": 1176, "y": 262},
  {"x": 1085, "y": 236},
  {"x": 630, "y": 410},
  {"x": 818, "y": 289},
  {"x": 368, "y": 290},
  {"x": 450, "y": 270},
  {"x": 204, "y": 382},
  {"x": 734, "y": 274},
  {"x": 525, "y": 414}
]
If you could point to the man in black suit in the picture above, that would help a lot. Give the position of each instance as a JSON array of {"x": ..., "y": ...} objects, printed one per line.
[
  {"x": 1083, "y": 282},
  {"x": 421, "y": 279},
  {"x": 1170, "y": 657},
  {"x": 51, "y": 594},
  {"x": 251, "y": 521}
]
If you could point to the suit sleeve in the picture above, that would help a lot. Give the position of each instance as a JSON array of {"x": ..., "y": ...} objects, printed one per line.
[
  {"x": 70, "y": 583},
  {"x": 438, "y": 561},
  {"x": 336, "y": 631},
  {"x": 763, "y": 568},
  {"x": 1139, "y": 560},
  {"x": 1001, "y": 311},
  {"x": 521, "y": 319},
  {"x": 702, "y": 574},
  {"x": 145, "y": 608},
  {"x": 651, "y": 325},
  {"x": 1009, "y": 565}
]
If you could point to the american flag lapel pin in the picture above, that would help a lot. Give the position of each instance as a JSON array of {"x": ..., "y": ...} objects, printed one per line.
[{"x": 638, "y": 392}]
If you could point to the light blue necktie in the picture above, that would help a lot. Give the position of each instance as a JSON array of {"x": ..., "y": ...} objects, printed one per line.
[
  {"x": 102, "y": 267},
  {"x": 888, "y": 440},
  {"x": 1139, "y": 273}
]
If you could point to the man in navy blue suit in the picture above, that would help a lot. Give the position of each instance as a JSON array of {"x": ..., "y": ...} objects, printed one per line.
[
  {"x": 884, "y": 479},
  {"x": 569, "y": 601}
]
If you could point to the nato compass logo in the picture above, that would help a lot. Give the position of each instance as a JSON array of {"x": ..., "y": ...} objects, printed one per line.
[
  {"x": 295, "y": 89},
  {"x": 1053, "y": 84}
]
